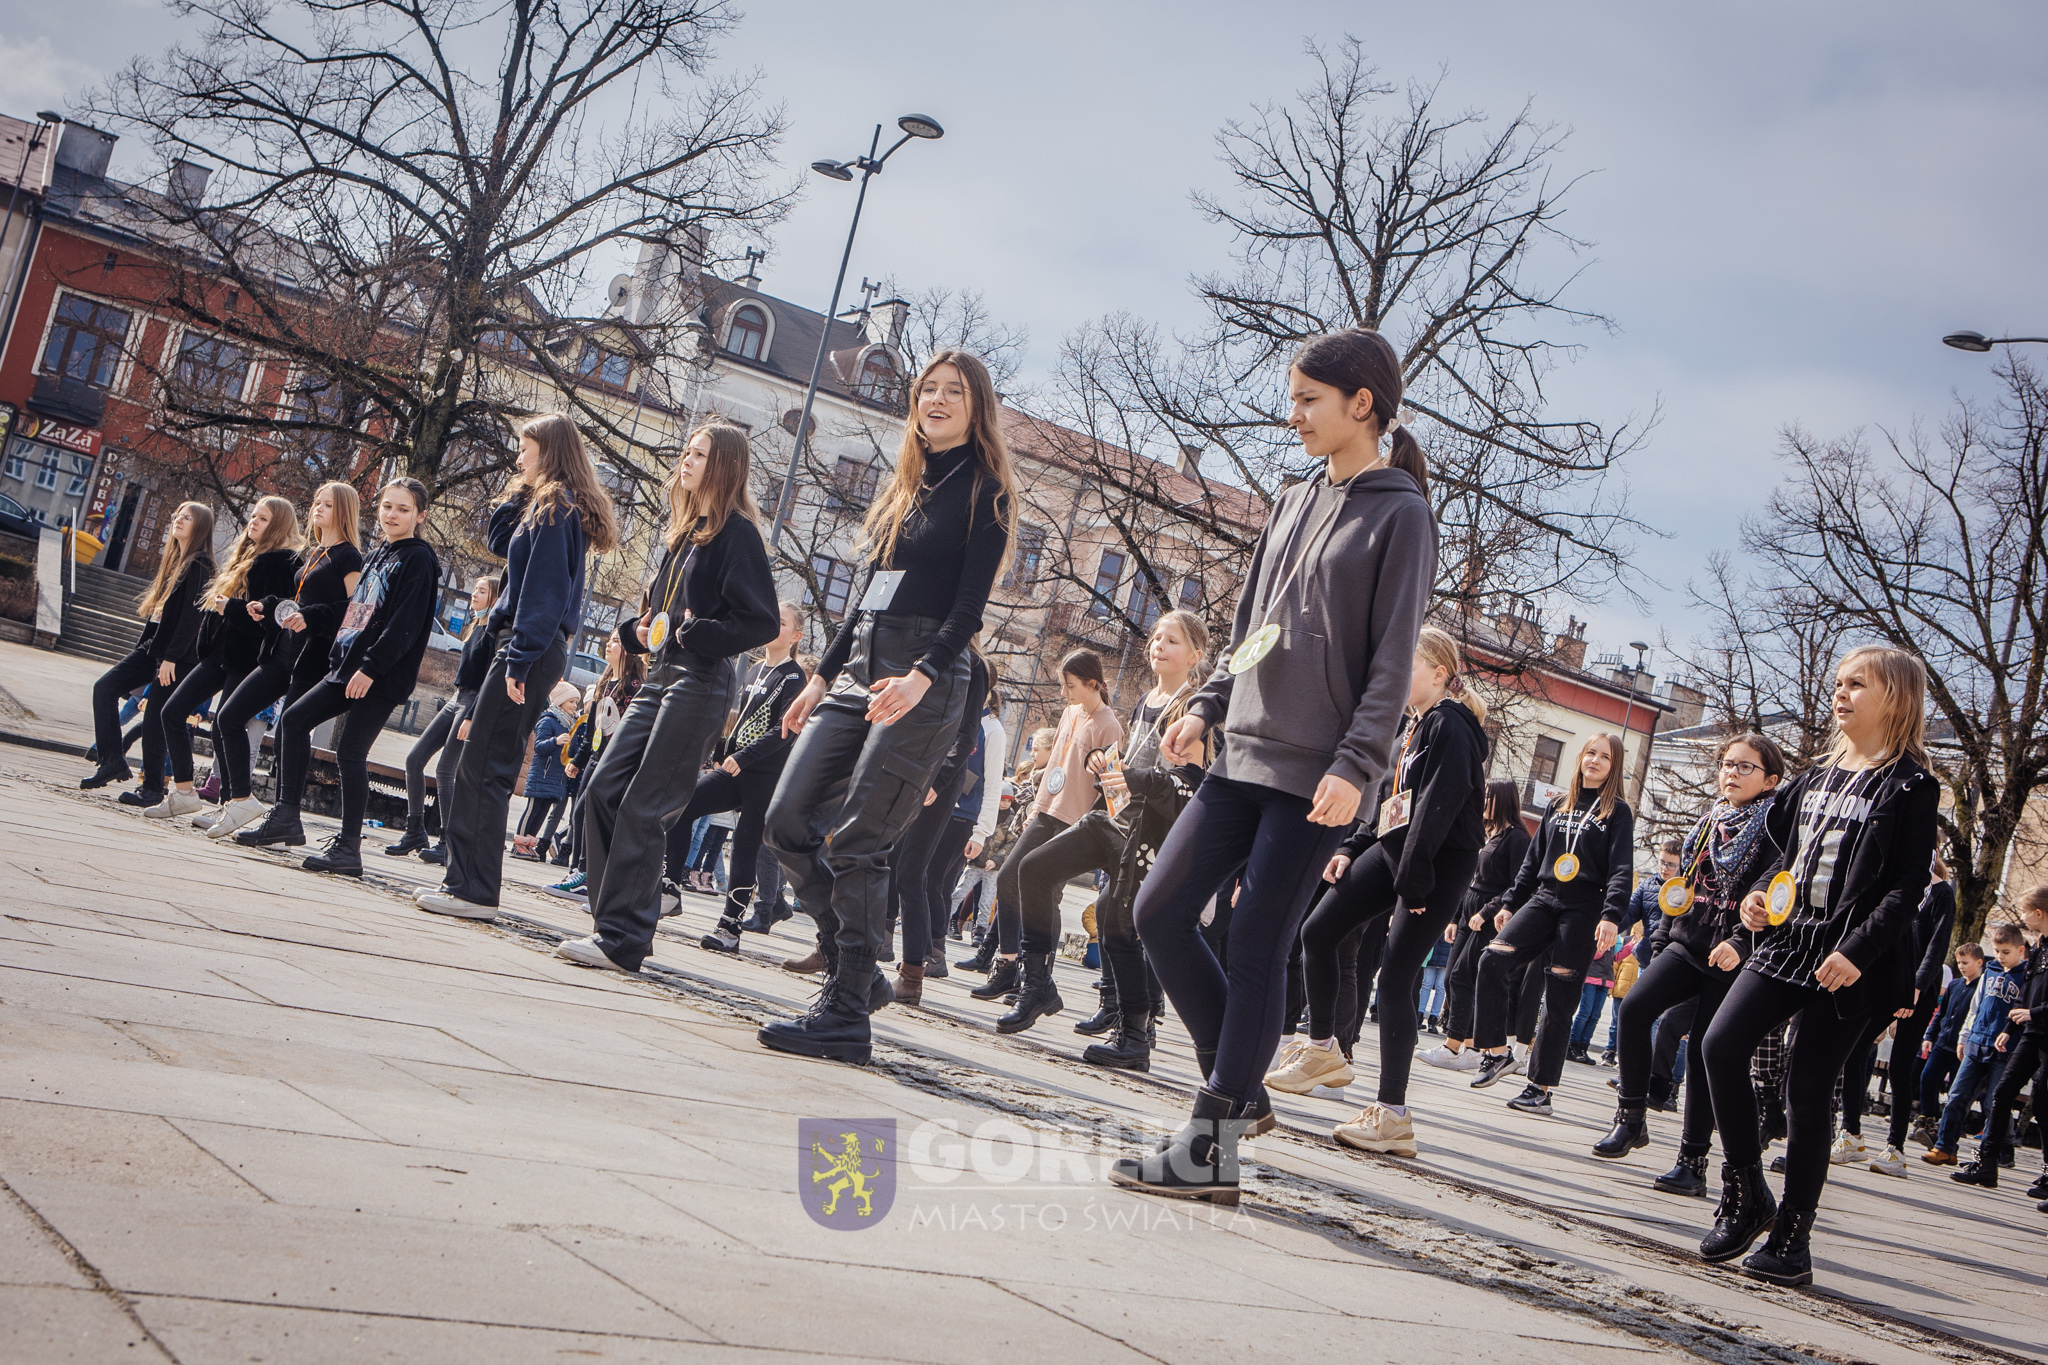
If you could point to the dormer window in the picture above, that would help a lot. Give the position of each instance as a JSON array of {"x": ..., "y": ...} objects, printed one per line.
[
  {"x": 607, "y": 367},
  {"x": 878, "y": 377},
  {"x": 748, "y": 335}
]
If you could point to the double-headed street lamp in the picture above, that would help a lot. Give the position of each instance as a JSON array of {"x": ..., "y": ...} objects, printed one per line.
[
  {"x": 913, "y": 126},
  {"x": 1977, "y": 341}
]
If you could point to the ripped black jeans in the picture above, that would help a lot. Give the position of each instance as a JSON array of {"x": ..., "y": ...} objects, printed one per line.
[{"x": 1567, "y": 932}]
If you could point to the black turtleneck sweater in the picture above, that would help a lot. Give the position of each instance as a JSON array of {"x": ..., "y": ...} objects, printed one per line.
[{"x": 951, "y": 546}]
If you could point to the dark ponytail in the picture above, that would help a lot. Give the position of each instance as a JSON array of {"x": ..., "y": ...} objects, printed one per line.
[{"x": 1355, "y": 359}]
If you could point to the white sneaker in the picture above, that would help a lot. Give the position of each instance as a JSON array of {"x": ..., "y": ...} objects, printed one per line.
[
  {"x": 1328, "y": 1092},
  {"x": 1466, "y": 1059},
  {"x": 584, "y": 952},
  {"x": 234, "y": 815},
  {"x": 1308, "y": 1066},
  {"x": 1848, "y": 1151},
  {"x": 174, "y": 804},
  {"x": 438, "y": 902},
  {"x": 1378, "y": 1129},
  {"x": 206, "y": 818},
  {"x": 1890, "y": 1163}
]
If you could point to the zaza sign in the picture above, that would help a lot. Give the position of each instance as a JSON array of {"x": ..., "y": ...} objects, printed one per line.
[{"x": 66, "y": 435}]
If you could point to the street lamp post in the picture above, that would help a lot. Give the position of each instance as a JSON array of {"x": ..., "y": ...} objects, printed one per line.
[
  {"x": 913, "y": 126},
  {"x": 1628, "y": 712},
  {"x": 1977, "y": 341}
]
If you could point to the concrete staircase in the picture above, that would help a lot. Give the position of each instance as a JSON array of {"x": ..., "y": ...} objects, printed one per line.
[{"x": 100, "y": 622}]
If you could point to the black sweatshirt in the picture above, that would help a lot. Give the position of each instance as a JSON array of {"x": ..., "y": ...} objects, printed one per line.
[
  {"x": 757, "y": 741},
  {"x": 477, "y": 653},
  {"x": 542, "y": 597},
  {"x": 1499, "y": 859},
  {"x": 1604, "y": 849},
  {"x": 243, "y": 643},
  {"x": 384, "y": 632},
  {"x": 174, "y": 636},
  {"x": 729, "y": 593},
  {"x": 1933, "y": 928},
  {"x": 952, "y": 544},
  {"x": 321, "y": 590},
  {"x": 2034, "y": 998},
  {"x": 1443, "y": 768}
]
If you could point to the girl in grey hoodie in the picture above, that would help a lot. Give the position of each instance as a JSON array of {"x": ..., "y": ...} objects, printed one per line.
[{"x": 1309, "y": 694}]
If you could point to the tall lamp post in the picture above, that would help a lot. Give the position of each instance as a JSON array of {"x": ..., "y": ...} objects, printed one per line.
[
  {"x": 1628, "y": 712},
  {"x": 1977, "y": 341},
  {"x": 913, "y": 126}
]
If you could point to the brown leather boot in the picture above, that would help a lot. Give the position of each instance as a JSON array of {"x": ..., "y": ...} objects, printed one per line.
[
  {"x": 910, "y": 983},
  {"x": 804, "y": 966}
]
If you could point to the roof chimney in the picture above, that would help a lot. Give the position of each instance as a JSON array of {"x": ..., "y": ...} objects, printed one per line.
[
  {"x": 85, "y": 150},
  {"x": 752, "y": 279},
  {"x": 188, "y": 183},
  {"x": 1569, "y": 647},
  {"x": 1190, "y": 461}
]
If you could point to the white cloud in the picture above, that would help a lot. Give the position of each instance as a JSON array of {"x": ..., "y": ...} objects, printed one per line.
[{"x": 39, "y": 77}]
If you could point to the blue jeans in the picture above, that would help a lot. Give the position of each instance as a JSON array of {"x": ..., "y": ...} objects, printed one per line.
[
  {"x": 1977, "y": 1076},
  {"x": 1591, "y": 1000},
  {"x": 1431, "y": 998}
]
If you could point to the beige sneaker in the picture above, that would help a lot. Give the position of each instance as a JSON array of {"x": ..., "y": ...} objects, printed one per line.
[
  {"x": 1378, "y": 1129},
  {"x": 1307, "y": 1066},
  {"x": 1890, "y": 1163}
]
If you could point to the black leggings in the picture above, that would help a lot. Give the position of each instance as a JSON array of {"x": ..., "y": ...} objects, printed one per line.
[
  {"x": 265, "y": 684},
  {"x": 2028, "y": 1061},
  {"x": 933, "y": 841},
  {"x": 361, "y": 720},
  {"x": 719, "y": 791},
  {"x": 1365, "y": 893},
  {"x": 1462, "y": 981},
  {"x": 1668, "y": 983},
  {"x": 1566, "y": 933},
  {"x": 114, "y": 684},
  {"x": 208, "y": 676},
  {"x": 1042, "y": 829},
  {"x": 1905, "y": 1065},
  {"x": 440, "y": 732},
  {"x": 1090, "y": 844},
  {"x": 1818, "y": 1046},
  {"x": 1230, "y": 825}
]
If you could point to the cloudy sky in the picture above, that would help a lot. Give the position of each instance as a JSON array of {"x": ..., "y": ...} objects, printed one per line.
[{"x": 1790, "y": 204}]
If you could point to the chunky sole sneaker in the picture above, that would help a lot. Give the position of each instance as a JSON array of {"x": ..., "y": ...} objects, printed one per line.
[
  {"x": 1307, "y": 1066},
  {"x": 439, "y": 902},
  {"x": 1533, "y": 1100},
  {"x": 1493, "y": 1066},
  {"x": 1848, "y": 1151},
  {"x": 718, "y": 941},
  {"x": 1378, "y": 1129},
  {"x": 1889, "y": 1163},
  {"x": 584, "y": 952}
]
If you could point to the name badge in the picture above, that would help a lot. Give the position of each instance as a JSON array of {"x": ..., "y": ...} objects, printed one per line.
[
  {"x": 1394, "y": 811},
  {"x": 882, "y": 590}
]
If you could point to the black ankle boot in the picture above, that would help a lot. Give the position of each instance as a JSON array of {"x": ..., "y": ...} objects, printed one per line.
[
  {"x": 118, "y": 772},
  {"x": 1128, "y": 1049},
  {"x": 280, "y": 829},
  {"x": 983, "y": 957},
  {"x": 1630, "y": 1131},
  {"x": 414, "y": 839},
  {"x": 836, "y": 1027},
  {"x": 437, "y": 855},
  {"x": 1198, "y": 1162},
  {"x": 1983, "y": 1171},
  {"x": 1002, "y": 979},
  {"x": 762, "y": 920},
  {"x": 1037, "y": 996},
  {"x": 1786, "y": 1258},
  {"x": 342, "y": 859},
  {"x": 1105, "y": 1017},
  {"x": 1688, "y": 1177},
  {"x": 1746, "y": 1213}
]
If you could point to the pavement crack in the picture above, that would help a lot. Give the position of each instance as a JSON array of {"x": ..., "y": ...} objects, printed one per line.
[{"x": 87, "y": 1269}]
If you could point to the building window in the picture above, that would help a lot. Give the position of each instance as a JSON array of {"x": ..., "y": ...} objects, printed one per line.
[
  {"x": 1191, "y": 594},
  {"x": 322, "y": 405},
  {"x": 878, "y": 377},
  {"x": 1030, "y": 554},
  {"x": 17, "y": 468},
  {"x": 46, "y": 477},
  {"x": 1108, "y": 574},
  {"x": 1543, "y": 762},
  {"x": 211, "y": 366},
  {"x": 748, "y": 335},
  {"x": 1145, "y": 606},
  {"x": 607, "y": 367},
  {"x": 81, "y": 469},
  {"x": 85, "y": 341},
  {"x": 835, "y": 582},
  {"x": 853, "y": 485}
]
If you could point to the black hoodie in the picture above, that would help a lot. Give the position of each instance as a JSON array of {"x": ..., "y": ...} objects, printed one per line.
[
  {"x": 1604, "y": 849},
  {"x": 1443, "y": 766},
  {"x": 240, "y": 642}
]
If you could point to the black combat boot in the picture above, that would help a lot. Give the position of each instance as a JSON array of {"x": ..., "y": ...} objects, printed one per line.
[
  {"x": 1746, "y": 1212},
  {"x": 1631, "y": 1130},
  {"x": 982, "y": 957},
  {"x": 1002, "y": 979},
  {"x": 414, "y": 838},
  {"x": 1128, "y": 1049},
  {"x": 343, "y": 858},
  {"x": 1037, "y": 996},
  {"x": 1688, "y": 1177},
  {"x": 1105, "y": 1016},
  {"x": 1786, "y": 1257},
  {"x": 836, "y": 1027},
  {"x": 280, "y": 829}
]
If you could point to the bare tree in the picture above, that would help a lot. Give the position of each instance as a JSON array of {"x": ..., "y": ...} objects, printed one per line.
[
  {"x": 1441, "y": 231},
  {"x": 409, "y": 197},
  {"x": 1939, "y": 546}
]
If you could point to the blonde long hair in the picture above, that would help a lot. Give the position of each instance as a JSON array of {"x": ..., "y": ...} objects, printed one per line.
[
  {"x": 1435, "y": 647},
  {"x": 566, "y": 477},
  {"x": 721, "y": 489},
  {"x": 1610, "y": 790},
  {"x": 884, "y": 524},
  {"x": 348, "y": 511},
  {"x": 281, "y": 533},
  {"x": 170, "y": 567},
  {"x": 1903, "y": 679}
]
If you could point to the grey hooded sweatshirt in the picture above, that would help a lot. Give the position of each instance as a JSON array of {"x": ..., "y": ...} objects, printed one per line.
[{"x": 1328, "y": 697}]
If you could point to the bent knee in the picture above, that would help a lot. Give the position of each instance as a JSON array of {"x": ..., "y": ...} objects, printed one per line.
[{"x": 1563, "y": 973}]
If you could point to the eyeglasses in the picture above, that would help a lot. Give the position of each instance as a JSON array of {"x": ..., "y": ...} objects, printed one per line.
[{"x": 1740, "y": 768}]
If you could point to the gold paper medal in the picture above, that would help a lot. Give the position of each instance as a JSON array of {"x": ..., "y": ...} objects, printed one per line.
[
  {"x": 1675, "y": 896},
  {"x": 1566, "y": 867},
  {"x": 1778, "y": 900},
  {"x": 1256, "y": 646},
  {"x": 657, "y": 633}
]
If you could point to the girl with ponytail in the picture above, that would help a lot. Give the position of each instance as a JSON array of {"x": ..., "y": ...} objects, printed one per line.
[{"x": 1413, "y": 860}]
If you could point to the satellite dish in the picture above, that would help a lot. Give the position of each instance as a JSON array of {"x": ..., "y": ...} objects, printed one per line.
[{"x": 620, "y": 287}]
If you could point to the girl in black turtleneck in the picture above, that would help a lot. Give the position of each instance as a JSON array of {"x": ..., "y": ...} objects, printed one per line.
[
  {"x": 259, "y": 568},
  {"x": 898, "y": 677}
]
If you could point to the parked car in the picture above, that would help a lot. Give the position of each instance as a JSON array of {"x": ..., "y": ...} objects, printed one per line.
[
  {"x": 583, "y": 670},
  {"x": 15, "y": 520},
  {"x": 441, "y": 639}
]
